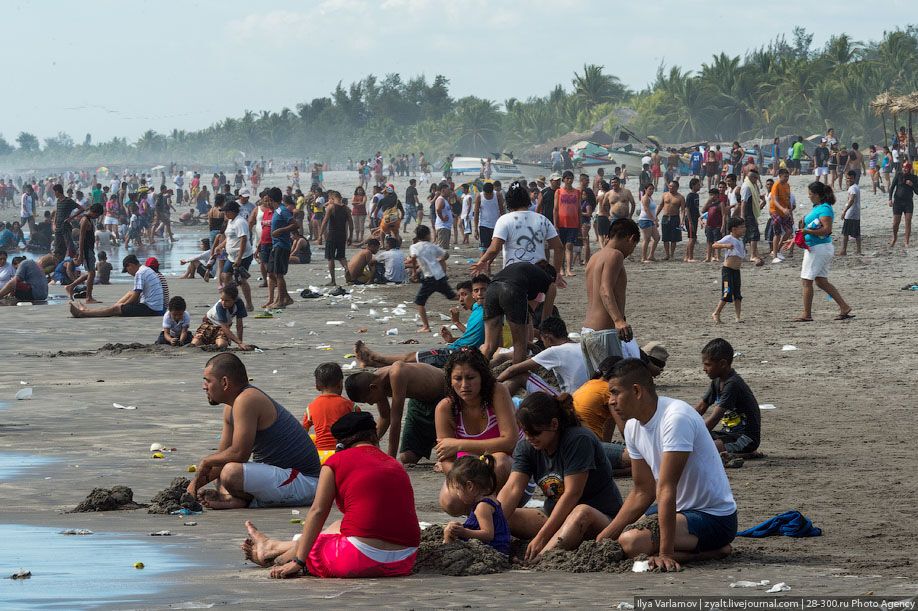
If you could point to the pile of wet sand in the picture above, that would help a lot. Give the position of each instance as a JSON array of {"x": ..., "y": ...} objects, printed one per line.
[
  {"x": 459, "y": 558},
  {"x": 173, "y": 498},
  {"x": 590, "y": 557},
  {"x": 105, "y": 499}
]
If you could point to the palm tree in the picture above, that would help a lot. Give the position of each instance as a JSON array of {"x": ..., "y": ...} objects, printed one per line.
[
  {"x": 594, "y": 87},
  {"x": 477, "y": 125}
]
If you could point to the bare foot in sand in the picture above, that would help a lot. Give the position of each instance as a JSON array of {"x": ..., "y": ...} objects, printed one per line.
[
  {"x": 258, "y": 548},
  {"x": 363, "y": 354},
  {"x": 214, "y": 500},
  {"x": 69, "y": 288},
  {"x": 76, "y": 310},
  {"x": 424, "y": 330},
  {"x": 716, "y": 318}
]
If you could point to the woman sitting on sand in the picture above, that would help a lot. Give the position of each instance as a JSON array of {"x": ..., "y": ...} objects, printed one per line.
[
  {"x": 378, "y": 536},
  {"x": 571, "y": 467},
  {"x": 475, "y": 418},
  {"x": 300, "y": 251}
]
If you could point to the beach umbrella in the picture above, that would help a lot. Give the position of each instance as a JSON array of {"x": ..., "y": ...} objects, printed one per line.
[
  {"x": 157, "y": 167},
  {"x": 102, "y": 170}
]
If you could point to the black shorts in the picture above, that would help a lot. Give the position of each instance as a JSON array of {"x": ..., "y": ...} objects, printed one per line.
[
  {"x": 23, "y": 294},
  {"x": 898, "y": 208},
  {"x": 852, "y": 228},
  {"x": 419, "y": 434},
  {"x": 138, "y": 309},
  {"x": 278, "y": 261},
  {"x": 429, "y": 286},
  {"x": 712, "y": 234},
  {"x": 436, "y": 357},
  {"x": 568, "y": 235},
  {"x": 484, "y": 237},
  {"x": 731, "y": 284},
  {"x": 334, "y": 249},
  {"x": 669, "y": 228},
  {"x": 691, "y": 227},
  {"x": 602, "y": 226},
  {"x": 507, "y": 300},
  {"x": 736, "y": 443},
  {"x": 161, "y": 340},
  {"x": 752, "y": 230},
  {"x": 63, "y": 245}
]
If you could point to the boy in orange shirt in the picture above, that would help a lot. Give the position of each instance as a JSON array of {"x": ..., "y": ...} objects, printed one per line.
[{"x": 327, "y": 408}]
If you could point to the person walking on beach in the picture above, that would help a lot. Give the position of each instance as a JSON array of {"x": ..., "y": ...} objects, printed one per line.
[{"x": 902, "y": 192}]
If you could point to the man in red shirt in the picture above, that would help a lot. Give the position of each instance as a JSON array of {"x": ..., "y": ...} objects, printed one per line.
[{"x": 567, "y": 218}]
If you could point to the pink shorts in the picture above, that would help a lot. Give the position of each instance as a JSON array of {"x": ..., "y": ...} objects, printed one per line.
[{"x": 332, "y": 555}]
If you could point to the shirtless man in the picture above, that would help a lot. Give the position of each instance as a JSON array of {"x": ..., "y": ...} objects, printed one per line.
[
  {"x": 672, "y": 207},
  {"x": 855, "y": 163},
  {"x": 605, "y": 330},
  {"x": 362, "y": 266},
  {"x": 422, "y": 385},
  {"x": 620, "y": 200},
  {"x": 603, "y": 207}
]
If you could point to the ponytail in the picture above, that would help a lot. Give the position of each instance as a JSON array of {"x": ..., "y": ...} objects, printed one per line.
[{"x": 480, "y": 470}]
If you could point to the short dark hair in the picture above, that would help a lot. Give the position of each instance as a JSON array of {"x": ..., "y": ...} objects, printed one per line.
[
  {"x": 718, "y": 349},
  {"x": 735, "y": 221},
  {"x": 328, "y": 375},
  {"x": 372, "y": 242},
  {"x": 632, "y": 371},
  {"x": 391, "y": 242},
  {"x": 481, "y": 279},
  {"x": 422, "y": 232},
  {"x": 488, "y": 187},
  {"x": 465, "y": 284},
  {"x": 177, "y": 304},
  {"x": 783, "y": 171},
  {"x": 554, "y": 326},
  {"x": 275, "y": 194},
  {"x": 624, "y": 228},
  {"x": 357, "y": 386},
  {"x": 229, "y": 365},
  {"x": 230, "y": 290},
  {"x": 605, "y": 367}
]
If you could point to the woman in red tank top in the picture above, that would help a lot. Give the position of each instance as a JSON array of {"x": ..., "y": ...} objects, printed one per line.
[{"x": 378, "y": 536}]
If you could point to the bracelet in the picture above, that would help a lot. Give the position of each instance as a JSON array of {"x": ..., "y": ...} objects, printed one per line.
[{"x": 300, "y": 564}]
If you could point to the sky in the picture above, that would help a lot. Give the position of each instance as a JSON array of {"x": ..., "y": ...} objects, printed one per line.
[{"x": 120, "y": 68}]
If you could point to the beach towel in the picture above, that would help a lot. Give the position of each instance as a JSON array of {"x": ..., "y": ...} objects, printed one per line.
[{"x": 790, "y": 524}]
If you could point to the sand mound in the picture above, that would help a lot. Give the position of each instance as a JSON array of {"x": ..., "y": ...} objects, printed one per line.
[
  {"x": 119, "y": 348},
  {"x": 173, "y": 498},
  {"x": 459, "y": 558},
  {"x": 104, "y": 499},
  {"x": 590, "y": 557}
]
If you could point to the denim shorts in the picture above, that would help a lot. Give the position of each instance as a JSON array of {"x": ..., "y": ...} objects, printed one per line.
[
  {"x": 713, "y": 532},
  {"x": 645, "y": 224}
]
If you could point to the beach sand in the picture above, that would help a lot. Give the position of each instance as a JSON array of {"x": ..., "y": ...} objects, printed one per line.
[{"x": 840, "y": 446}]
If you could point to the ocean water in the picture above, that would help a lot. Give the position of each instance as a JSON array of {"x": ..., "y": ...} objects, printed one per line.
[
  {"x": 14, "y": 463},
  {"x": 77, "y": 572}
]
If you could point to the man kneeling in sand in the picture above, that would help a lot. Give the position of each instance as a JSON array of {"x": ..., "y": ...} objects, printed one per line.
[
  {"x": 423, "y": 386},
  {"x": 284, "y": 471},
  {"x": 471, "y": 296},
  {"x": 674, "y": 463}
]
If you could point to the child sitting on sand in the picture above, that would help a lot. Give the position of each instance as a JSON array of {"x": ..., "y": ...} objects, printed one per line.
[
  {"x": 473, "y": 480},
  {"x": 215, "y": 329},
  {"x": 176, "y": 323},
  {"x": 327, "y": 408},
  {"x": 103, "y": 269},
  {"x": 200, "y": 263}
]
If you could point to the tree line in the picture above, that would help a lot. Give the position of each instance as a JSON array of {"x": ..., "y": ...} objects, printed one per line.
[{"x": 787, "y": 86}]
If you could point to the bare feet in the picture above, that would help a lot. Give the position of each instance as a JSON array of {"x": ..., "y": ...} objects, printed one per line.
[
  {"x": 257, "y": 547},
  {"x": 212, "y": 499},
  {"x": 364, "y": 355},
  {"x": 331, "y": 283},
  {"x": 716, "y": 318},
  {"x": 69, "y": 288},
  {"x": 76, "y": 310},
  {"x": 424, "y": 330}
]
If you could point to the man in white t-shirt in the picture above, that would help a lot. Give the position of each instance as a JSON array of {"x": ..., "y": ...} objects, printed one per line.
[
  {"x": 393, "y": 260},
  {"x": 674, "y": 463},
  {"x": 561, "y": 356},
  {"x": 239, "y": 251},
  {"x": 521, "y": 235},
  {"x": 146, "y": 298},
  {"x": 851, "y": 216}
]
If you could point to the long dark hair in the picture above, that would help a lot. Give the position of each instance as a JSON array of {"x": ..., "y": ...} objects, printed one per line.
[
  {"x": 825, "y": 193},
  {"x": 475, "y": 359},
  {"x": 480, "y": 470},
  {"x": 538, "y": 409}
]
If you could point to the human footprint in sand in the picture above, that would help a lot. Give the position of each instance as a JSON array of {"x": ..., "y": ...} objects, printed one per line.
[
  {"x": 378, "y": 536},
  {"x": 284, "y": 470}
]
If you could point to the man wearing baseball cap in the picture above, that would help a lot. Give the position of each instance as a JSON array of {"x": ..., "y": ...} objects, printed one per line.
[
  {"x": 245, "y": 206},
  {"x": 144, "y": 299}
]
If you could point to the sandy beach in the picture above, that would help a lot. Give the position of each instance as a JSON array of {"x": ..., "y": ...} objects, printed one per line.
[{"x": 840, "y": 445}]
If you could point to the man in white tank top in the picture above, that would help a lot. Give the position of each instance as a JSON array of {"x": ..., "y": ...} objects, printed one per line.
[{"x": 489, "y": 206}]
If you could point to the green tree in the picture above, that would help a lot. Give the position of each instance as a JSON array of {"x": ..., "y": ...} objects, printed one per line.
[{"x": 27, "y": 142}]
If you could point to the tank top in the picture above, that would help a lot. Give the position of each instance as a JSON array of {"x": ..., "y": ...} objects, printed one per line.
[
  {"x": 285, "y": 444},
  {"x": 491, "y": 430},
  {"x": 652, "y": 205},
  {"x": 488, "y": 211},
  {"x": 337, "y": 222},
  {"x": 263, "y": 220},
  {"x": 215, "y": 223},
  {"x": 501, "y": 540},
  {"x": 359, "y": 205}
]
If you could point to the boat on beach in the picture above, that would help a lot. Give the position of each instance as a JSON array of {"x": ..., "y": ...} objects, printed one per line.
[{"x": 472, "y": 167}]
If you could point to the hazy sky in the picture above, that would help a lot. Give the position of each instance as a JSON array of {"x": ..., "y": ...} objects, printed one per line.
[{"x": 120, "y": 68}]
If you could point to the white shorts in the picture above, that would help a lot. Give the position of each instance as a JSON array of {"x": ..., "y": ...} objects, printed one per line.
[
  {"x": 110, "y": 220},
  {"x": 275, "y": 487},
  {"x": 817, "y": 261},
  {"x": 822, "y": 171}
]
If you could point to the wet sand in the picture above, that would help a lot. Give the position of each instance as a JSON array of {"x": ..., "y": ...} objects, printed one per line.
[{"x": 839, "y": 446}]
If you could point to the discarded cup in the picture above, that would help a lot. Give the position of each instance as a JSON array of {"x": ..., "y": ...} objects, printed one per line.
[
  {"x": 292, "y": 323},
  {"x": 157, "y": 447},
  {"x": 119, "y": 406},
  {"x": 640, "y": 566},
  {"x": 767, "y": 406},
  {"x": 24, "y": 394},
  {"x": 742, "y": 583},
  {"x": 191, "y": 468},
  {"x": 349, "y": 366},
  {"x": 161, "y": 533},
  {"x": 392, "y": 331}
]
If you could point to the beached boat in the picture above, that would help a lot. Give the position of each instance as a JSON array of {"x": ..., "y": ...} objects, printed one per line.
[{"x": 472, "y": 166}]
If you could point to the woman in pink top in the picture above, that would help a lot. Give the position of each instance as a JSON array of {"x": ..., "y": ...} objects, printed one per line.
[{"x": 476, "y": 417}]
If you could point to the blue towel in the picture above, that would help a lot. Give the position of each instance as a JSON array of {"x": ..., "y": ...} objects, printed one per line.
[{"x": 790, "y": 524}]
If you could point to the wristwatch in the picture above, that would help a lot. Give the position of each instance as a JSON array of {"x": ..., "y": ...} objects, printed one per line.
[{"x": 300, "y": 564}]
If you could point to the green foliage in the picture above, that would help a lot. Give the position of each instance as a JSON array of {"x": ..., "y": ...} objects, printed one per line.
[{"x": 786, "y": 86}]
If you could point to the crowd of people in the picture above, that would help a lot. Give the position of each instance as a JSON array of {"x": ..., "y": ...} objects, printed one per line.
[{"x": 511, "y": 405}]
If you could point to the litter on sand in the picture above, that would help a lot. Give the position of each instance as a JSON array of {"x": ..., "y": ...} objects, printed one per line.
[
  {"x": 161, "y": 533},
  {"x": 767, "y": 406},
  {"x": 788, "y": 348},
  {"x": 640, "y": 566},
  {"x": 77, "y": 531},
  {"x": 392, "y": 331},
  {"x": 21, "y": 574},
  {"x": 290, "y": 324},
  {"x": 24, "y": 394},
  {"x": 623, "y": 606},
  {"x": 778, "y": 587},
  {"x": 351, "y": 365},
  {"x": 157, "y": 447},
  {"x": 749, "y": 584},
  {"x": 119, "y": 406},
  {"x": 334, "y": 322},
  {"x": 425, "y": 525}
]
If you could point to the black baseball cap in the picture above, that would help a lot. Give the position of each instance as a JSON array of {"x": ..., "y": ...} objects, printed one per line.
[{"x": 128, "y": 260}]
